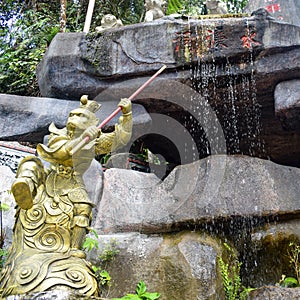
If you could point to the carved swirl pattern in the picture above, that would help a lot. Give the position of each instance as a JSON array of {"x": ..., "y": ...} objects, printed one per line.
[
  {"x": 53, "y": 239},
  {"x": 33, "y": 217},
  {"x": 27, "y": 273}
]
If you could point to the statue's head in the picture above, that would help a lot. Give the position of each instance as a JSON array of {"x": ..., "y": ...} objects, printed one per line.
[
  {"x": 84, "y": 116},
  {"x": 108, "y": 20},
  {"x": 150, "y": 4},
  {"x": 211, "y": 3}
]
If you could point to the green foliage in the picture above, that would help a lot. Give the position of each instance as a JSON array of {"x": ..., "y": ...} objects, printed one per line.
[
  {"x": 141, "y": 294},
  {"x": 290, "y": 282},
  {"x": 294, "y": 256},
  {"x": 4, "y": 206},
  {"x": 102, "y": 276},
  {"x": 91, "y": 243},
  {"x": 197, "y": 7},
  {"x": 230, "y": 272},
  {"x": 174, "y": 6},
  {"x": 294, "y": 259},
  {"x": 109, "y": 251},
  {"x": 3, "y": 255}
]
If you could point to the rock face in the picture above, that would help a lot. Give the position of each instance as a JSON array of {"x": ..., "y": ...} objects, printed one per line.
[
  {"x": 169, "y": 233},
  {"x": 218, "y": 187},
  {"x": 245, "y": 201},
  {"x": 217, "y": 69},
  {"x": 287, "y": 104},
  {"x": 36, "y": 114},
  {"x": 180, "y": 266},
  {"x": 274, "y": 293},
  {"x": 281, "y": 10}
]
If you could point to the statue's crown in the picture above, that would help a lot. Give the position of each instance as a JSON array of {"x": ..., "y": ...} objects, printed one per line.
[{"x": 90, "y": 105}]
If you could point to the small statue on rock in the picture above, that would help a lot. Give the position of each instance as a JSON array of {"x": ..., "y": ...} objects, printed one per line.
[
  {"x": 216, "y": 7},
  {"x": 154, "y": 10},
  {"x": 109, "y": 21},
  {"x": 53, "y": 207}
]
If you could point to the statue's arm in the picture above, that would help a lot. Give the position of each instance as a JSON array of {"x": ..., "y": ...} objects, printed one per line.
[{"x": 108, "y": 142}]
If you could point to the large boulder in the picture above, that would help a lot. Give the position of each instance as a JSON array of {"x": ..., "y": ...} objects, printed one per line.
[
  {"x": 178, "y": 266},
  {"x": 287, "y": 103},
  {"x": 232, "y": 64},
  {"x": 281, "y": 10},
  {"x": 28, "y": 118},
  {"x": 274, "y": 292},
  {"x": 218, "y": 187}
]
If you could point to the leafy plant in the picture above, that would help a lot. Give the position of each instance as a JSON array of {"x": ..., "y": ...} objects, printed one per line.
[
  {"x": 102, "y": 276},
  {"x": 294, "y": 259},
  {"x": 294, "y": 256},
  {"x": 91, "y": 243},
  {"x": 230, "y": 272},
  {"x": 141, "y": 294},
  {"x": 3, "y": 254},
  {"x": 107, "y": 254},
  {"x": 109, "y": 251}
]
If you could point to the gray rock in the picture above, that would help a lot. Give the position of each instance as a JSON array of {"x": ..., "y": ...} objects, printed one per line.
[
  {"x": 178, "y": 266},
  {"x": 223, "y": 187},
  {"x": 244, "y": 58},
  {"x": 287, "y": 104},
  {"x": 28, "y": 118},
  {"x": 275, "y": 293},
  {"x": 281, "y": 10},
  {"x": 269, "y": 246}
]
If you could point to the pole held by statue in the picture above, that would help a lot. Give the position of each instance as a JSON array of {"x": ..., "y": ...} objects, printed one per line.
[{"x": 117, "y": 110}]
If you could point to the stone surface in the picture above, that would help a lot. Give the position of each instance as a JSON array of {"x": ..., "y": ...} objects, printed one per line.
[
  {"x": 233, "y": 64},
  {"x": 218, "y": 187},
  {"x": 287, "y": 104},
  {"x": 275, "y": 293},
  {"x": 76, "y": 63},
  {"x": 269, "y": 246},
  {"x": 28, "y": 118},
  {"x": 282, "y": 10},
  {"x": 179, "y": 266}
]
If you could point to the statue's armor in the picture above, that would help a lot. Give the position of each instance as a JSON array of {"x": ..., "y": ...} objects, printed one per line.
[{"x": 46, "y": 250}]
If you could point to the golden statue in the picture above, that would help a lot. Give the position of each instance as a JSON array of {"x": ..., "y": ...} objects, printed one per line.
[{"x": 53, "y": 208}]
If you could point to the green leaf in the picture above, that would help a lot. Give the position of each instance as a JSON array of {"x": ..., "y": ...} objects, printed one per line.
[
  {"x": 150, "y": 296},
  {"x": 290, "y": 282},
  {"x": 141, "y": 288},
  {"x": 90, "y": 244},
  {"x": 4, "y": 207}
]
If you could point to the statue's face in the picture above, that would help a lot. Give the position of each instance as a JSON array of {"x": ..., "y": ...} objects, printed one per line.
[
  {"x": 80, "y": 119},
  {"x": 108, "y": 20},
  {"x": 211, "y": 3}
]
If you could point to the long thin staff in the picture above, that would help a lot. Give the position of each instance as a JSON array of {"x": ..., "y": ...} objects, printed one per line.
[{"x": 116, "y": 111}]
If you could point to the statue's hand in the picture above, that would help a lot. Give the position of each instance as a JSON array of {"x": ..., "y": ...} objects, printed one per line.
[
  {"x": 125, "y": 105},
  {"x": 91, "y": 132}
]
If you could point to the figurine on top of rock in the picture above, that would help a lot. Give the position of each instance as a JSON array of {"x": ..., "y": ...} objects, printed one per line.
[
  {"x": 109, "y": 21},
  {"x": 216, "y": 7},
  {"x": 53, "y": 207},
  {"x": 154, "y": 9}
]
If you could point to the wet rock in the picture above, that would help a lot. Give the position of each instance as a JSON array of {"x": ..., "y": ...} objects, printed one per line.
[
  {"x": 233, "y": 64},
  {"x": 287, "y": 104},
  {"x": 218, "y": 187},
  {"x": 28, "y": 118},
  {"x": 267, "y": 257},
  {"x": 178, "y": 266},
  {"x": 275, "y": 293},
  {"x": 281, "y": 10}
]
